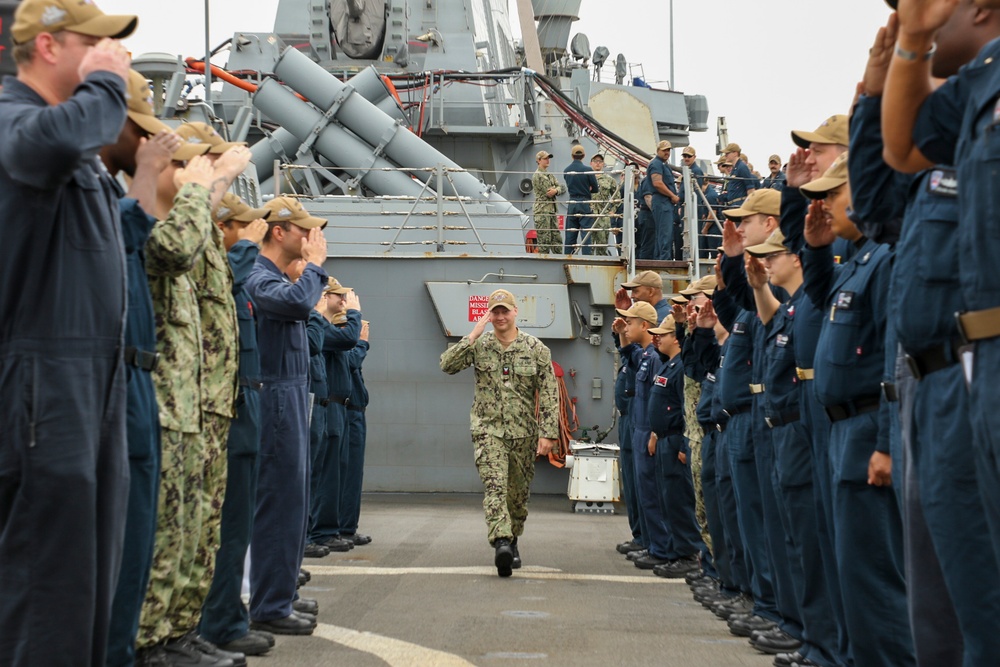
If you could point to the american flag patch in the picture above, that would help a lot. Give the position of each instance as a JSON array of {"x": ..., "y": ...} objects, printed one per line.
[{"x": 660, "y": 381}]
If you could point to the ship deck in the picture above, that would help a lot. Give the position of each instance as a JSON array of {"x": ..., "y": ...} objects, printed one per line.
[{"x": 425, "y": 592}]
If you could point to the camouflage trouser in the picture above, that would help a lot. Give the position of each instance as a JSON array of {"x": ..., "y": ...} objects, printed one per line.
[
  {"x": 692, "y": 429},
  {"x": 549, "y": 237},
  {"x": 215, "y": 430},
  {"x": 599, "y": 235},
  {"x": 192, "y": 486},
  {"x": 506, "y": 468}
]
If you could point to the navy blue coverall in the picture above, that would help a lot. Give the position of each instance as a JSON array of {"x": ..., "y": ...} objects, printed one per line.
[
  {"x": 582, "y": 187},
  {"x": 666, "y": 223},
  {"x": 357, "y": 434},
  {"x": 624, "y": 392},
  {"x": 279, "y": 528},
  {"x": 645, "y": 234},
  {"x": 223, "y": 616},
  {"x": 63, "y": 451},
  {"x": 315, "y": 333}
]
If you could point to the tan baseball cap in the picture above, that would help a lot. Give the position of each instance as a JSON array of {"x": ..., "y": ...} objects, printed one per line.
[
  {"x": 767, "y": 202},
  {"x": 578, "y": 151},
  {"x": 774, "y": 243},
  {"x": 679, "y": 299},
  {"x": 688, "y": 151},
  {"x": 834, "y": 177},
  {"x": 333, "y": 286},
  {"x": 774, "y": 158},
  {"x": 833, "y": 130},
  {"x": 542, "y": 154},
  {"x": 642, "y": 310},
  {"x": 139, "y": 97},
  {"x": 501, "y": 297},
  {"x": 664, "y": 145},
  {"x": 33, "y": 17},
  {"x": 286, "y": 209},
  {"x": 647, "y": 278},
  {"x": 723, "y": 162},
  {"x": 704, "y": 285},
  {"x": 667, "y": 326},
  {"x": 233, "y": 208},
  {"x": 732, "y": 148},
  {"x": 203, "y": 133}
]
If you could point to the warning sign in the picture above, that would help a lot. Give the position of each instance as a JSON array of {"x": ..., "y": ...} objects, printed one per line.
[{"x": 477, "y": 307}]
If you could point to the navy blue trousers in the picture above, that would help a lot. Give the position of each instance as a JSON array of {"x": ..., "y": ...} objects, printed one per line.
[
  {"x": 728, "y": 516},
  {"x": 279, "y": 525},
  {"x": 750, "y": 514},
  {"x": 352, "y": 474},
  {"x": 578, "y": 220},
  {"x": 64, "y": 482},
  {"x": 677, "y": 496},
  {"x": 645, "y": 235},
  {"x": 318, "y": 444},
  {"x": 325, "y": 502},
  {"x": 713, "y": 517},
  {"x": 655, "y": 530},
  {"x": 626, "y": 462},
  {"x": 986, "y": 428},
  {"x": 142, "y": 425},
  {"x": 667, "y": 231},
  {"x": 223, "y": 616},
  {"x": 867, "y": 534}
]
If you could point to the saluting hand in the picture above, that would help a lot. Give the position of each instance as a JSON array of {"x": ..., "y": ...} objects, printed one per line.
[
  {"x": 294, "y": 269},
  {"x": 732, "y": 242},
  {"x": 314, "y": 247},
  {"x": 254, "y": 232},
  {"x": 679, "y": 312},
  {"x": 818, "y": 232},
  {"x": 352, "y": 301},
  {"x": 798, "y": 172},
  {"x": 879, "y": 57},
  {"x": 622, "y": 299},
  {"x": 720, "y": 284},
  {"x": 108, "y": 55},
  {"x": 155, "y": 153},
  {"x": 198, "y": 171},
  {"x": 756, "y": 274},
  {"x": 706, "y": 316},
  {"x": 618, "y": 326},
  {"x": 480, "y": 327},
  {"x": 364, "y": 330},
  {"x": 922, "y": 18}
]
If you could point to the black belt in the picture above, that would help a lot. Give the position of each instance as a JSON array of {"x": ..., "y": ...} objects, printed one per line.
[
  {"x": 889, "y": 392},
  {"x": 342, "y": 400},
  {"x": 712, "y": 426},
  {"x": 853, "y": 408},
  {"x": 787, "y": 418},
  {"x": 737, "y": 411},
  {"x": 629, "y": 394},
  {"x": 256, "y": 385},
  {"x": 933, "y": 359},
  {"x": 356, "y": 408},
  {"x": 147, "y": 361}
]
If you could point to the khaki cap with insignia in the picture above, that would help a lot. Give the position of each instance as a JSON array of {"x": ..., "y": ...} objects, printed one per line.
[
  {"x": 704, "y": 285},
  {"x": 642, "y": 310},
  {"x": 689, "y": 151},
  {"x": 664, "y": 145},
  {"x": 33, "y": 17},
  {"x": 286, "y": 209},
  {"x": 767, "y": 202},
  {"x": 139, "y": 97},
  {"x": 732, "y": 148},
  {"x": 333, "y": 286},
  {"x": 501, "y": 297},
  {"x": 647, "y": 278},
  {"x": 774, "y": 243},
  {"x": 233, "y": 208},
  {"x": 667, "y": 326},
  {"x": 774, "y": 158},
  {"x": 578, "y": 151},
  {"x": 834, "y": 177},
  {"x": 203, "y": 133},
  {"x": 542, "y": 154},
  {"x": 679, "y": 299},
  {"x": 833, "y": 130}
]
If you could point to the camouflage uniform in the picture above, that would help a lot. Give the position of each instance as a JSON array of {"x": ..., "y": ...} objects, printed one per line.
[
  {"x": 605, "y": 202},
  {"x": 549, "y": 238},
  {"x": 694, "y": 434},
  {"x": 505, "y": 430},
  {"x": 213, "y": 281},
  {"x": 173, "y": 248}
]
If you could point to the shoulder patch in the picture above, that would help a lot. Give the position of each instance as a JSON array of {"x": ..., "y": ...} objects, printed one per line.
[{"x": 943, "y": 183}]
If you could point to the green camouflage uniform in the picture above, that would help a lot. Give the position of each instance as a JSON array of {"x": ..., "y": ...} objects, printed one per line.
[
  {"x": 505, "y": 431},
  {"x": 605, "y": 202},
  {"x": 173, "y": 248},
  {"x": 549, "y": 239},
  {"x": 694, "y": 434},
  {"x": 213, "y": 280}
]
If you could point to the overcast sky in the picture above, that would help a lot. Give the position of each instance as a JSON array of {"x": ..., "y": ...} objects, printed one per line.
[{"x": 768, "y": 67}]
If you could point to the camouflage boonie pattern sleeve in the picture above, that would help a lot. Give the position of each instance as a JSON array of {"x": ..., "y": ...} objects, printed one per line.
[
  {"x": 213, "y": 280},
  {"x": 605, "y": 197},
  {"x": 458, "y": 357},
  {"x": 174, "y": 245}
]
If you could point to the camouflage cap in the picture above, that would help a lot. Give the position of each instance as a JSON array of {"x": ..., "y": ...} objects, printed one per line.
[
  {"x": 774, "y": 243},
  {"x": 139, "y": 97},
  {"x": 501, "y": 297},
  {"x": 203, "y": 133},
  {"x": 834, "y": 177},
  {"x": 642, "y": 310},
  {"x": 286, "y": 209},
  {"x": 646, "y": 278},
  {"x": 33, "y": 17},
  {"x": 767, "y": 202},
  {"x": 333, "y": 286},
  {"x": 233, "y": 208},
  {"x": 541, "y": 155},
  {"x": 833, "y": 130},
  {"x": 704, "y": 285},
  {"x": 667, "y": 326}
]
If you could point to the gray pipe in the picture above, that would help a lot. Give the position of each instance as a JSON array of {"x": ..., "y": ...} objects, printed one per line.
[{"x": 334, "y": 142}]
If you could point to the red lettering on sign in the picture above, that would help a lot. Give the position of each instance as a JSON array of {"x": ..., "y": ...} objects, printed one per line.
[{"x": 477, "y": 307}]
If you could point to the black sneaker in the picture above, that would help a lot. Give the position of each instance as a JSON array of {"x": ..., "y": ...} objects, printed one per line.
[
  {"x": 626, "y": 547},
  {"x": 337, "y": 544},
  {"x": 205, "y": 647},
  {"x": 516, "y": 563},
  {"x": 504, "y": 557},
  {"x": 314, "y": 550}
]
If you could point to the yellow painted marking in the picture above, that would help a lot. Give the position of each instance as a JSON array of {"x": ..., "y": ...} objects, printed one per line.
[
  {"x": 531, "y": 572},
  {"x": 395, "y": 652}
]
